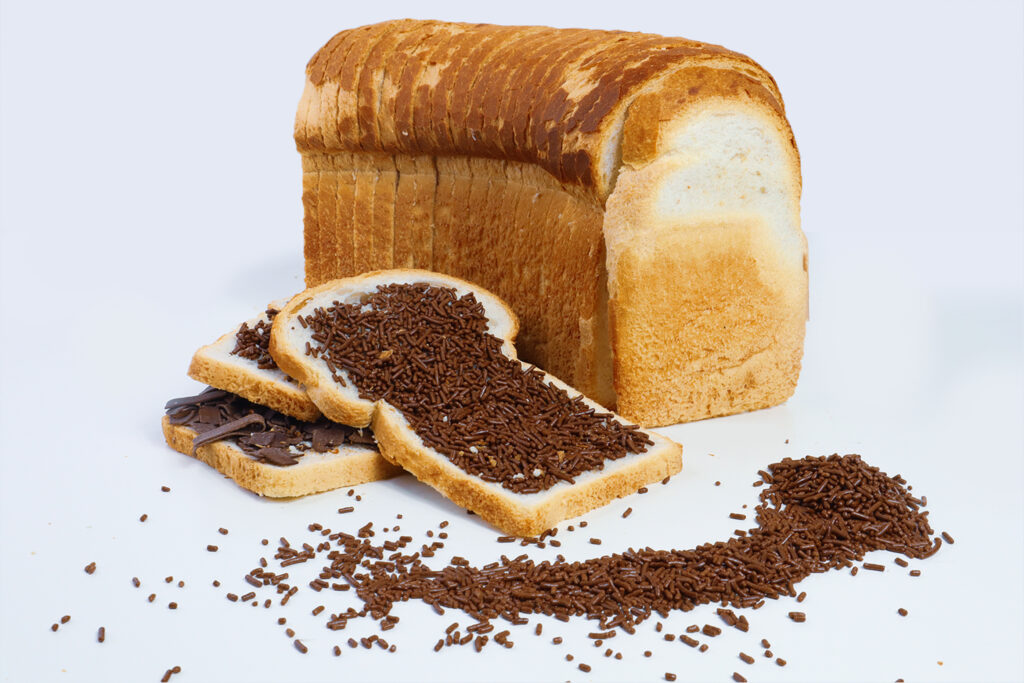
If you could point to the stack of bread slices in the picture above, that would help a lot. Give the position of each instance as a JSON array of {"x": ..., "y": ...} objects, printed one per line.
[{"x": 428, "y": 362}]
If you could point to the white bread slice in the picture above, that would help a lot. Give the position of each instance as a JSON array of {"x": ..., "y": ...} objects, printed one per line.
[
  {"x": 214, "y": 364},
  {"x": 514, "y": 513},
  {"x": 314, "y": 473}
]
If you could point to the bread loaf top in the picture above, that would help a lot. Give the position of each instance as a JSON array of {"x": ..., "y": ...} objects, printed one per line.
[{"x": 557, "y": 98}]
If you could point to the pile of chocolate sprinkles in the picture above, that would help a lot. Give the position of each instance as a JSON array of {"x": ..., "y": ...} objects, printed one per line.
[
  {"x": 426, "y": 351},
  {"x": 815, "y": 514},
  {"x": 262, "y": 433},
  {"x": 253, "y": 342}
]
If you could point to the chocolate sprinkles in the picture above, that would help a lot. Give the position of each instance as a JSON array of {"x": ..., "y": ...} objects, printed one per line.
[{"x": 426, "y": 351}]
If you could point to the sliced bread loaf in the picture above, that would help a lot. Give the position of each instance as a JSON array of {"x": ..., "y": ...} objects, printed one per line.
[{"x": 428, "y": 361}]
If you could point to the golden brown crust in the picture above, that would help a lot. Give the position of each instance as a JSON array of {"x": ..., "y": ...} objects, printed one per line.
[
  {"x": 353, "y": 465},
  {"x": 572, "y": 114}
]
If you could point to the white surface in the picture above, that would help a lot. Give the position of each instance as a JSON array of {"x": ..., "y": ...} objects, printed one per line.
[{"x": 150, "y": 199}]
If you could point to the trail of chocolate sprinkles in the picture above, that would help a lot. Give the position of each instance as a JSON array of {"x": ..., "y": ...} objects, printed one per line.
[
  {"x": 816, "y": 514},
  {"x": 427, "y": 351}
]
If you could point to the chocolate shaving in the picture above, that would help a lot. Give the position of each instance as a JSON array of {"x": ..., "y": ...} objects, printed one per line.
[
  {"x": 209, "y": 394},
  {"x": 243, "y": 425}
]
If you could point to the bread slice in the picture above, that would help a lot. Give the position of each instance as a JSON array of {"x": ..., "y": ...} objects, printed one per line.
[
  {"x": 216, "y": 365},
  {"x": 315, "y": 472},
  {"x": 524, "y": 514}
]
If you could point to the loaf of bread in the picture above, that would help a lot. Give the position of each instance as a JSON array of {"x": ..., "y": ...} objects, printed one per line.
[
  {"x": 634, "y": 198},
  {"x": 428, "y": 361}
]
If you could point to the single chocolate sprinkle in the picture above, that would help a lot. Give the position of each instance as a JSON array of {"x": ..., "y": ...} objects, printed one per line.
[
  {"x": 568, "y": 658},
  {"x": 627, "y": 513},
  {"x": 692, "y": 642},
  {"x": 345, "y": 510},
  {"x": 232, "y": 597},
  {"x": 136, "y": 582},
  {"x": 101, "y": 634},
  {"x": 947, "y": 538},
  {"x": 65, "y": 619},
  {"x": 768, "y": 654},
  {"x": 290, "y": 633},
  {"x": 915, "y": 572},
  {"x": 703, "y": 647},
  {"x": 738, "y": 678},
  {"x": 595, "y": 541},
  {"x": 152, "y": 597},
  {"x": 801, "y": 597},
  {"x": 143, "y": 517},
  {"x": 798, "y": 617},
  {"x": 765, "y": 644},
  {"x": 853, "y": 572},
  {"x": 181, "y": 584},
  {"x": 746, "y": 658},
  {"x": 585, "y": 668},
  {"x": 172, "y": 605},
  {"x": 711, "y": 631},
  {"x": 642, "y": 489},
  {"x": 780, "y": 661},
  {"x": 718, "y": 483},
  {"x": 54, "y": 627},
  {"x": 901, "y": 562},
  {"x": 222, "y": 531},
  {"x": 211, "y": 548},
  {"x": 165, "y": 489},
  {"x": 454, "y": 380},
  {"x": 647, "y": 653},
  {"x": 874, "y": 567},
  {"x": 670, "y": 676},
  {"x": 557, "y": 640},
  {"x": 902, "y": 612},
  {"x": 168, "y": 579},
  {"x": 736, "y": 515},
  {"x": 300, "y": 647},
  {"x": 90, "y": 568}
]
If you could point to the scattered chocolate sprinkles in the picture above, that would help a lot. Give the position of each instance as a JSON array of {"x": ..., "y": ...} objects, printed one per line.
[{"x": 427, "y": 351}]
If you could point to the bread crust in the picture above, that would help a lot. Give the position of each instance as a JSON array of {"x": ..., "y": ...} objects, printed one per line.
[
  {"x": 523, "y": 515},
  {"x": 350, "y": 466}
]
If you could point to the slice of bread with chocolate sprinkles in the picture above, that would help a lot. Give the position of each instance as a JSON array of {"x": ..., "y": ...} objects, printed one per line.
[
  {"x": 267, "y": 452},
  {"x": 239, "y": 362},
  {"x": 428, "y": 361}
]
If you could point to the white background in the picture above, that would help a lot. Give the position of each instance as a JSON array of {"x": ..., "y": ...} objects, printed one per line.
[{"x": 151, "y": 200}]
